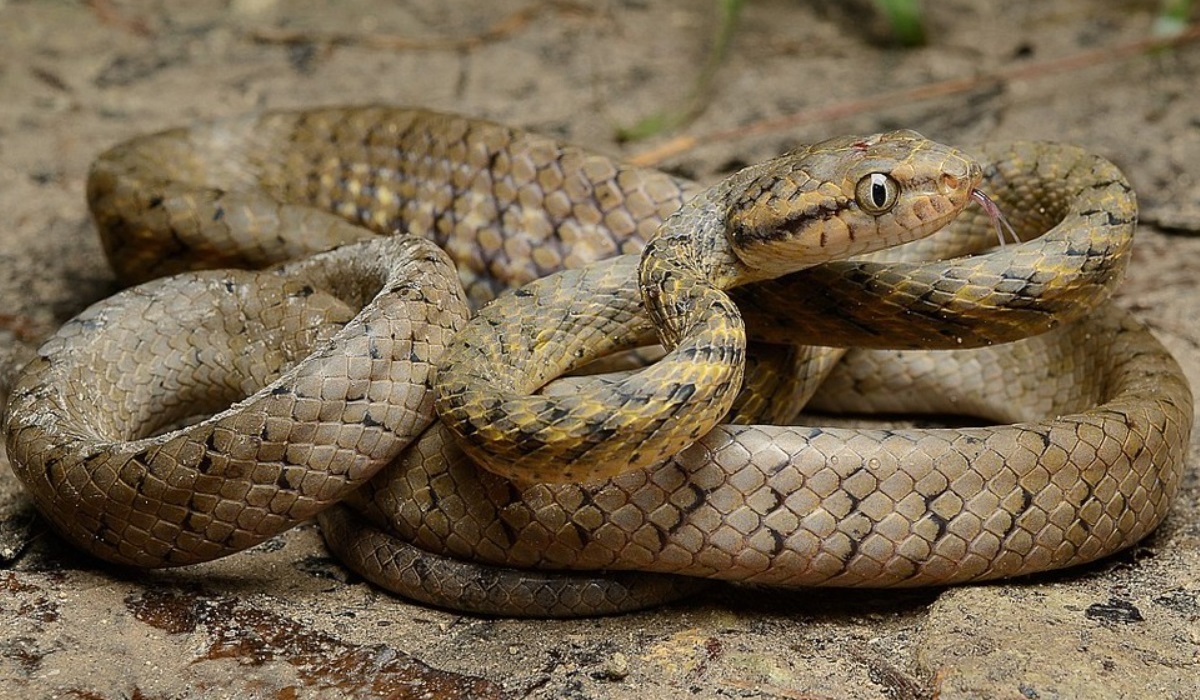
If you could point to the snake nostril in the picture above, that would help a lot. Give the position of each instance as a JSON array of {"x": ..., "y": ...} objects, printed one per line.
[{"x": 949, "y": 183}]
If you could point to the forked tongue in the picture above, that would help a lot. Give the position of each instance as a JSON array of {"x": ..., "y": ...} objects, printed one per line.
[{"x": 996, "y": 216}]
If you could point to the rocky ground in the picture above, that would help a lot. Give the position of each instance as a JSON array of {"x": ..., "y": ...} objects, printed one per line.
[{"x": 284, "y": 620}]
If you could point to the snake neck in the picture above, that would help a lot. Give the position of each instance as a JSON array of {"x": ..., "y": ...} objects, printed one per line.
[{"x": 687, "y": 267}]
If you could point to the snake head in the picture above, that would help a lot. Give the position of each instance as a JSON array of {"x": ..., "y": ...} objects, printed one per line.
[{"x": 845, "y": 197}]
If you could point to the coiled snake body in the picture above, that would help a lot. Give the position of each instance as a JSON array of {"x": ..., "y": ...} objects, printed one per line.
[{"x": 325, "y": 397}]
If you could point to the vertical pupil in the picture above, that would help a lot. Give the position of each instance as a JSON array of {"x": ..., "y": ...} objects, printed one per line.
[{"x": 878, "y": 191}]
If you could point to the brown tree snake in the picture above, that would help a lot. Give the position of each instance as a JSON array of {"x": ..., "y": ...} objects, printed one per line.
[{"x": 198, "y": 414}]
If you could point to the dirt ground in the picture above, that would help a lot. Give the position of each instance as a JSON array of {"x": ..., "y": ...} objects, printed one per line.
[{"x": 284, "y": 620}]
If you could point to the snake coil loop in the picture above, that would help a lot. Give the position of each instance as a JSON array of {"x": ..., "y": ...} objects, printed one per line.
[{"x": 322, "y": 397}]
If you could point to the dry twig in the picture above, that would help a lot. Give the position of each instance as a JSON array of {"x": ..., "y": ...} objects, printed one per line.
[{"x": 907, "y": 96}]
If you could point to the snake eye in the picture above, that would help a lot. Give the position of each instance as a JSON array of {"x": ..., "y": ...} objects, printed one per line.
[{"x": 876, "y": 193}]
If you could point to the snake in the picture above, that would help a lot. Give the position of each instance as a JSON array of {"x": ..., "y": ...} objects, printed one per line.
[
  {"x": 831, "y": 200},
  {"x": 192, "y": 416}
]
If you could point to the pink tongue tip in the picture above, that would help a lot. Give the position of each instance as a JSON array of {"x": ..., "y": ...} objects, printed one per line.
[{"x": 996, "y": 216}]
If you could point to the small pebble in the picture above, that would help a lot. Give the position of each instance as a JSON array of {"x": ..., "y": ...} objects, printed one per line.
[{"x": 616, "y": 669}]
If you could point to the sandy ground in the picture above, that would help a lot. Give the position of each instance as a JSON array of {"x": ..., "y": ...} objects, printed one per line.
[{"x": 284, "y": 620}]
